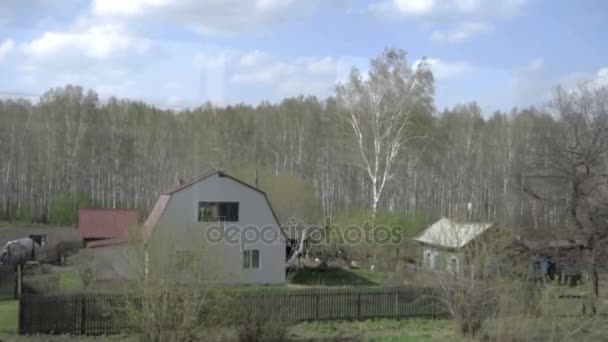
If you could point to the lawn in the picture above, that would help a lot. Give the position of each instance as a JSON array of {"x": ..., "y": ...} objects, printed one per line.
[
  {"x": 9, "y": 314},
  {"x": 381, "y": 330},
  {"x": 70, "y": 280},
  {"x": 337, "y": 277}
]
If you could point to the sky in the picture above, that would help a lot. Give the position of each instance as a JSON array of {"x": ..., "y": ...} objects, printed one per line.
[{"x": 499, "y": 53}]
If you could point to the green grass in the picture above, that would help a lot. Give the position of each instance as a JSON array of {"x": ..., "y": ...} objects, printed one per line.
[
  {"x": 9, "y": 314},
  {"x": 337, "y": 277},
  {"x": 381, "y": 330},
  {"x": 70, "y": 281}
]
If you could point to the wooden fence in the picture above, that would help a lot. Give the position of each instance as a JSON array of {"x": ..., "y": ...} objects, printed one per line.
[
  {"x": 7, "y": 282},
  {"x": 102, "y": 313}
]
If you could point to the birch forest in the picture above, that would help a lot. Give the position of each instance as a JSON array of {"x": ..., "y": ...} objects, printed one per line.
[{"x": 71, "y": 149}]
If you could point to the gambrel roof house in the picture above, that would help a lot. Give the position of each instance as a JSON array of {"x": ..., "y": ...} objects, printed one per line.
[{"x": 186, "y": 224}]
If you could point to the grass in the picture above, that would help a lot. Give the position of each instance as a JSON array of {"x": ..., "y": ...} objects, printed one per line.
[
  {"x": 337, "y": 277},
  {"x": 381, "y": 330},
  {"x": 9, "y": 314},
  {"x": 70, "y": 281}
]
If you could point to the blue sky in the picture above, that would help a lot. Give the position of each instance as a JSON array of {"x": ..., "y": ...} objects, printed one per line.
[{"x": 186, "y": 52}]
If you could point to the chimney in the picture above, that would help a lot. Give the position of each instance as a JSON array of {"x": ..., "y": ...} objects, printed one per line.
[{"x": 181, "y": 182}]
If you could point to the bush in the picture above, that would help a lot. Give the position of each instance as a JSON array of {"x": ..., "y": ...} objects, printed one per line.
[
  {"x": 261, "y": 327},
  {"x": 470, "y": 303},
  {"x": 384, "y": 256}
]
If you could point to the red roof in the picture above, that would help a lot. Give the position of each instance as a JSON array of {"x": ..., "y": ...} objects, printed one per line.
[{"x": 106, "y": 223}]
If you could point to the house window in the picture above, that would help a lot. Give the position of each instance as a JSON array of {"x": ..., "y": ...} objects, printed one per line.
[
  {"x": 454, "y": 264},
  {"x": 251, "y": 258},
  {"x": 184, "y": 260},
  {"x": 218, "y": 211}
]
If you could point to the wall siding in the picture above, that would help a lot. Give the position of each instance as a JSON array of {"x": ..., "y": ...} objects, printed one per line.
[{"x": 179, "y": 229}]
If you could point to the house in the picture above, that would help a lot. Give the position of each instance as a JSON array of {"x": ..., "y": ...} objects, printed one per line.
[
  {"x": 105, "y": 233},
  {"x": 445, "y": 244},
  {"x": 216, "y": 228}
]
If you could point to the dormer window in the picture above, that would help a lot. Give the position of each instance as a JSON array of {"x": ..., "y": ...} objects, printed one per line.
[{"x": 218, "y": 211}]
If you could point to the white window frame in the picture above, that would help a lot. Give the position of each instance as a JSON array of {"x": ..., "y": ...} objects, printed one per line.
[{"x": 248, "y": 259}]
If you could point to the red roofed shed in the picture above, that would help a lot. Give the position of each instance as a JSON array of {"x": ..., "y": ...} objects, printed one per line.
[{"x": 106, "y": 224}]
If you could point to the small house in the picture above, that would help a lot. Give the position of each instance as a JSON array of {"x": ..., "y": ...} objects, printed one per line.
[{"x": 445, "y": 243}]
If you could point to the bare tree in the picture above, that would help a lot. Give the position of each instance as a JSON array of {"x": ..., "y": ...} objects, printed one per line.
[
  {"x": 571, "y": 169},
  {"x": 379, "y": 108}
]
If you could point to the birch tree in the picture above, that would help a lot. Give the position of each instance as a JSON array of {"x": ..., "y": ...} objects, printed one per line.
[{"x": 379, "y": 108}]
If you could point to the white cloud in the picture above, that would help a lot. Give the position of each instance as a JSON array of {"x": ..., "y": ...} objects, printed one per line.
[
  {"x": 96, "y": 42},
  {"x": 601, "y": 78},
  {"x": 267, "y": 74},
  {"x": 443, "y": 69},
  {"x": 325, "y": 65},
  {"x": 209, "y": 16},
  {"x": 270, "y": 5},
  {"x": 414, "y": 7},
  {"x": 6, "y": 48},
  {"x": 449, "y": 9},
  {"x": 253, "y": 58},
  {"x": 461, "y": 32},
  {"x": 453, "y": 20},
  {"x": 130, "y": 8}
]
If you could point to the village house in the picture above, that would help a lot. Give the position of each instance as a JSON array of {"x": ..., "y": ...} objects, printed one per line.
[
  {"x": 445, "y": 243},
  {"x": 218, "y": 228}
]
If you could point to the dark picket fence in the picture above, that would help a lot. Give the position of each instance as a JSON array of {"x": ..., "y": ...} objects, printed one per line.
[
  {"x": 98, "y": 314},
  {"x": 7, "y": 282}
]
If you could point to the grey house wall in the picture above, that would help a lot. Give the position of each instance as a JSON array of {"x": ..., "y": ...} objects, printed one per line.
[
  {"x": 178, "y": 229},
  {"x": 439, "y": 259}
]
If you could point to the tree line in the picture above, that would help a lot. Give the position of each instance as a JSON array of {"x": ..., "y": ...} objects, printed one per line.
[{"x": 70, "y": 149}]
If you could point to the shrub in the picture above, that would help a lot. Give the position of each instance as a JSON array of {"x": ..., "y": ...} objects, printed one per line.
[{"x": 255, "y": 327}]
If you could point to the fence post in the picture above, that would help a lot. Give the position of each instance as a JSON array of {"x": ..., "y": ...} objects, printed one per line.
[
  {"x": 397, "y": 303},
  {"x": 434, "y": 306},
  {"x": 18, "y": 282},
  {"x": 359, "y": 306},
  {"x": 318, "y": 304},
  {"x": 83, "y": 311},
  {"x": 20, "y": 322}
]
